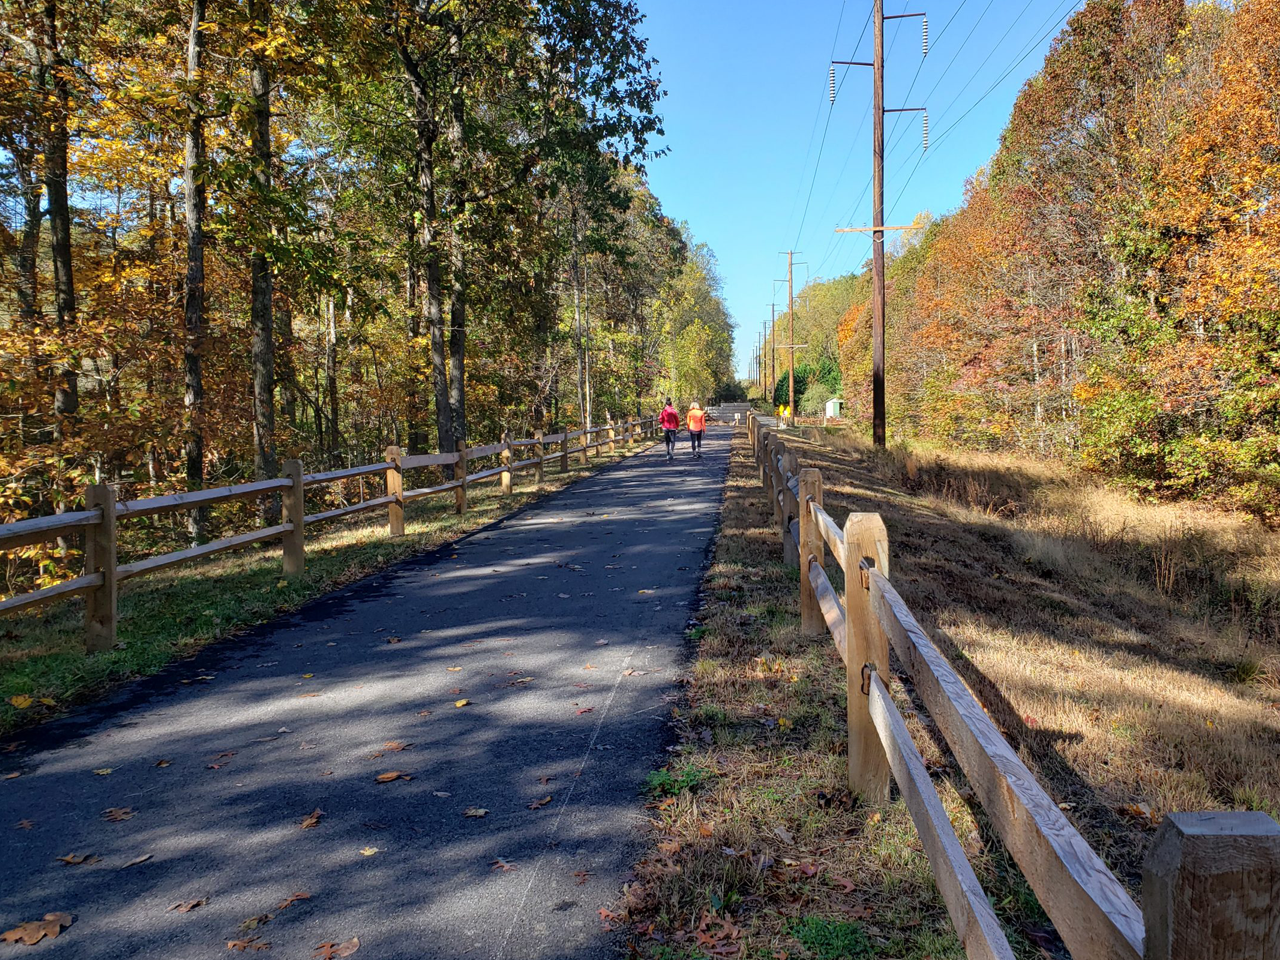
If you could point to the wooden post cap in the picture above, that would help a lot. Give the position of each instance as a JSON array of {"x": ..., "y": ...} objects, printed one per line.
[{"x": 1211, "y": 888}]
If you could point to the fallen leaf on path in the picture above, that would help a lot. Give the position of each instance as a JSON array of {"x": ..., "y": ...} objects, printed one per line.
[
  {"x": 312, "y": 819},
  {"x": 395, "y": 746},
  {"x": 474, "y": 812},
  {"x": 24, "y": 824},
  {"x": 186, "y": 906},
  {"x": 602, "y": 643},
  {"x": 441, "y": 793},
  {"x": 502, "y": 865},
  {"x": 303, "y": 696},
  {"x": 393, "y": 639},
  {"x": 307, "y": 676},
  {"x": 224, "y": 755},
  {"x": 583, "y": 686},
  {"x": 669, "y": 847},
  {"x": 163, "y": 763},
  {"x": 137, "y": 860},
  {"x": 581, "y": 876},
  {"x": 21, "y": 701},
  {"x": 291, "y": 899},
  {"x": 72, "y": 860},
  {"x": 118, "y": 814},
  {"x": 335, "y": 951},
  {"x": 455, "y": 691},
  {"x": 540, "y": 803},
  {"x": 585, "y": 710},
  {"x": 453, "y": 669},
  {"x": 461, "y": 703},
  {"x": 589, "y": 666},
  {"x": 544, "y": 780},
  {"x": 103, "y": 771},
  {"x": 33, "y": 931},
  {"x": 563, "y": 596},
  {"x": 249, "y": 943},
  {"x": 264, "y": 739},
  {"x": 368, "y": 851},
  {"x": 253, "y": 923},
  {"x": 424, "y": 713},
  {"x": 391, "y": 775}
]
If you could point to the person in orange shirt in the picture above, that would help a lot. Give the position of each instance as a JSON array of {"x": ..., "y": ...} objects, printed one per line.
[{"x": 696, "y": 421}]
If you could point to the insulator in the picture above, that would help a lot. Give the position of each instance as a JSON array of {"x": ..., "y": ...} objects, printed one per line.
[
  {"x": 924, "y": 35},
  {"x": 831, "y": 82},
  {"x": 926, "y": 130}
]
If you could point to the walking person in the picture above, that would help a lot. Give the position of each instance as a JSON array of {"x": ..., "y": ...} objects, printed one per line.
[
  {"x": 696, "y": 421},
  {"x": 669, "y": 421}
]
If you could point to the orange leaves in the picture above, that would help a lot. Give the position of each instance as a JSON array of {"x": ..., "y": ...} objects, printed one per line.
[
  {"x": 312, "y": 819},
  {"x": 392, "y": 775},
  {"x": 540, "y": 803},
  {"x": 33, "y": 931},
  {"x": 248, "y": 943},
  {"x": 76, "y": 860},
  {"x": 336, "y": 951},
  {"x": 502, "y": 865},
  {"x": 186, "y": 906},
  {"x": 118, "y": 814},
  {"x": 293, "y": 898}
]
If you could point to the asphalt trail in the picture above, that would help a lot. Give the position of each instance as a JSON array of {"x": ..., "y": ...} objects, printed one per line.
[{"x": 562, "y": 625}]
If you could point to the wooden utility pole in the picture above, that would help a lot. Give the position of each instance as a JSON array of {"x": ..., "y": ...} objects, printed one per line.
[
  {"x": 791, "y": 333},
  {"x": 877, "y": 204},
  {"x": 877, "y": 238}
]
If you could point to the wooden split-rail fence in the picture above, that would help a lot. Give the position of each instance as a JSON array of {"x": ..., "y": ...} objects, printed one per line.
[
  {"x": 102, "y": 576},
  {"x": 1211, "y": 882}
]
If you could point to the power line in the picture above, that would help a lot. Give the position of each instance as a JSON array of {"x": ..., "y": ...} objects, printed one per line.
[
  {"x": 830, "y": 108},
  {"x": 817, "y": 114},
  {"x": 1029, "y": 50}
]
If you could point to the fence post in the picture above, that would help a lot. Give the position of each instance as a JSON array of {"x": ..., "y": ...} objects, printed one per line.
[
  {"x": 460, "y": 474},
  {"x": 564, "y": 450},
  {"x": 790, "y": 508},
  {"x": 865, "y": 537},
  {"x": 395, "y": 488},
  {"x": 100, "y": 557},
  {"x": 611, "y": 435},
  {"x": 538, "y": 453},
  {"x": 812, "y": 623},
  {"x": 295, "y": 511},
  {"x": 1211, "y": 888},
  {"x": 505, "y": 457}
]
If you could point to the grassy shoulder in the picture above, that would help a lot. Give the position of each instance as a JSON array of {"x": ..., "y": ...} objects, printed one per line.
[
  {"x": 173, "y": 613},
  {"x": 1130, "y": 652},
  {"x": 759, "y": 851}
]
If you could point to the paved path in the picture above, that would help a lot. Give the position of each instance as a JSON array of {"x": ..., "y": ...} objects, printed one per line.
[{"x": 562, "y": 626}]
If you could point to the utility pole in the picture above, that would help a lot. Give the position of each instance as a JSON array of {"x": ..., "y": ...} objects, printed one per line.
[
  {"x": 877, "y": 238},
  {"x": 791, "y": 335},
  {"x": 877, "y": 203}
]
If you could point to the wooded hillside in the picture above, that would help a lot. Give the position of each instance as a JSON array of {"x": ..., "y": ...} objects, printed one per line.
[
  {"x": 233, "y": 233},
  {"x": 1108, "y": 291}
]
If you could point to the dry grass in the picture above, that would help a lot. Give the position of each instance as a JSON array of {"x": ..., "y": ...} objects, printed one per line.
[
  {"x": 172, "y": 614},
  {"x": 1128, "y": 651}
]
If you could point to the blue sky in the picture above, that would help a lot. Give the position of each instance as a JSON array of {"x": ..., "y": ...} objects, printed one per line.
[{"x": 747, "y": 107}]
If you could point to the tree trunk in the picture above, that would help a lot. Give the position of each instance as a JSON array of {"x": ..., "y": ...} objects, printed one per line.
[
  {"x": 193, "y": 173},
  {"x": 412, "y": 281},
  {"x": 331, "y": 380},
  {"x": 288, "y": 370},
  {"x": 457, "y": 257},
  {"x": 265, "y": 465},
  {"x": 67, "y": 392},
  {"x": 426, "y": 132}
]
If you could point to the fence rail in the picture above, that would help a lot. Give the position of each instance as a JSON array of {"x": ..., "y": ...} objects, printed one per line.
[
  {"x": 1211, "y": 884},
  {"x": 102, "y": 576}
]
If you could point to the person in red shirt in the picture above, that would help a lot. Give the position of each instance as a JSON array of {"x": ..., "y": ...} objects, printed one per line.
[
  {"x": 669, "y": 421},
  {"x": 696, "y": 421}
]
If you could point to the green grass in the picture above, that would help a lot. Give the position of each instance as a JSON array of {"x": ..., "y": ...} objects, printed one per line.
[
  {"x": 172, "y": 614},
  {"x": 671, "y": 783},
  {"x": 833, "y": 939}
]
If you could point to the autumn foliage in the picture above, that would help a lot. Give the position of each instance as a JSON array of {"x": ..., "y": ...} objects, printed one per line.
[{"x": 1109, "y": 288}]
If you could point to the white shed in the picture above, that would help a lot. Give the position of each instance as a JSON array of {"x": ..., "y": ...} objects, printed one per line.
[{"x": 833, "y": 407}]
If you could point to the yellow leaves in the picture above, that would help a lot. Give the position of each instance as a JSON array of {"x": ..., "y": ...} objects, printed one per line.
[
  {"x": 368, "y": 851},
  {"x": 21, "y": 701},
  {"x": 103, "y": 771},
  {"x": 461, "y": 703}
]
